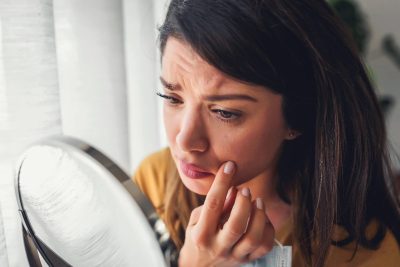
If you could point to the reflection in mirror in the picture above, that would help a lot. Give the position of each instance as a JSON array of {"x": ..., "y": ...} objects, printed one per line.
[{"x": 82, "y": 210}]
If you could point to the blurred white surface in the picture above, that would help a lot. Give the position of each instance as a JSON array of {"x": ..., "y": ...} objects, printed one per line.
[
  {"x": 89, "y": 38},
  {"x": 3, "y": 247},
  {"x": 29, "y": 100},
  {"x": 141, "y": 73}
]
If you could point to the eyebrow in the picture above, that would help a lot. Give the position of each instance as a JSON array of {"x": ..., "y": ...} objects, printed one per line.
[
  {"x": 170, "y": 86},
  {"x": 177, "y": 87}
]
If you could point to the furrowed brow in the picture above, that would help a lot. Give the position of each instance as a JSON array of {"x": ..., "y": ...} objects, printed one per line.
[{"x": 170, "y": 86}]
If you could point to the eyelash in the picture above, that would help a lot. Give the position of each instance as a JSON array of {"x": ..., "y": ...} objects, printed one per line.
[{"x": 174, "y": 101}]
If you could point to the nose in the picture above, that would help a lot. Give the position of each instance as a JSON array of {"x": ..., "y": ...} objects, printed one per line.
[{"x": 192, "y": 136}]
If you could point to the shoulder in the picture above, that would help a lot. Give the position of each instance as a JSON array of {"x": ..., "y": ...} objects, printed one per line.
[
  {"x": 157, "y": 161},
  {"x": 152, "y": 173},
  {"x": 387, "y": 254}
]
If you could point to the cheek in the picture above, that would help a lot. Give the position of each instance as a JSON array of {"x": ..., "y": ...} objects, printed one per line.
[{"x": 255, "y": 151}]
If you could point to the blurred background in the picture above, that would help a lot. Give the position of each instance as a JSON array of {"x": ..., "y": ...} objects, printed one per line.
[{"x": 89, "y": 69}]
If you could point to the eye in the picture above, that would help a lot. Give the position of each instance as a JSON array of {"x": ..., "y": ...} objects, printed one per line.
[
  {"x": 226, "y": 116},
  {"x": 170, "y": 99}
]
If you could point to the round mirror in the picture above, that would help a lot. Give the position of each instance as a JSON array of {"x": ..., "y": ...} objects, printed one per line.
[{"x": 78, "y": 208}]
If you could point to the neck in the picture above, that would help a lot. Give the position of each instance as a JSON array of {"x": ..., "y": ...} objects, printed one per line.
[{"x": 264, "y": 186}]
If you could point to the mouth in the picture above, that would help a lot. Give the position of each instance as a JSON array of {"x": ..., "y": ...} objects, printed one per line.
[{"x": 193, "y": 171}]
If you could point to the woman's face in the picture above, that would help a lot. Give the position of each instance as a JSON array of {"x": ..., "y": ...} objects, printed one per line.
[{"x": 211, "y": 118}]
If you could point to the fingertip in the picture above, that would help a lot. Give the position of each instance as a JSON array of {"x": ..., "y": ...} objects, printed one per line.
[
  {"x": 229, "y": 167},
  {"x": 259, "y": 203},
  {"x": 245, "y": 192}
]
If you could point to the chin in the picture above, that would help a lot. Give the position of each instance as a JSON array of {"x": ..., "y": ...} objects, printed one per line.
[{"x": 198, "y": 186}]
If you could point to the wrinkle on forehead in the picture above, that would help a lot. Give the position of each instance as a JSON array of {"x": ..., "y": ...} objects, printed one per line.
[{"x": 201, "y": 74}]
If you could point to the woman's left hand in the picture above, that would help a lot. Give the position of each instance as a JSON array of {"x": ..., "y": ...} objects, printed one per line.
[{"x": 214, "y": 240}]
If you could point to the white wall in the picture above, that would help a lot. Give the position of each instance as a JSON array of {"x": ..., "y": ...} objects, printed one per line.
[
  {"x": 91, "y": 66},
  {"x": 160, "y": 10},
  {"x": 146, "y": 128},
  {"x": 141, "y": 73},
  {"x": 383, "y": 17}
]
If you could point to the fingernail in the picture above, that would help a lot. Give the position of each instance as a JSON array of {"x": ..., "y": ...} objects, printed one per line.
[
  {"x": 259, "y": 204},
  {"x": 245, "y": 192},
  {"x": 228, "y": 168}
]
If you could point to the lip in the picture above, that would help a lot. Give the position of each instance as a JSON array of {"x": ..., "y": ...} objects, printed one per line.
[{"x": 193, "y": 171}]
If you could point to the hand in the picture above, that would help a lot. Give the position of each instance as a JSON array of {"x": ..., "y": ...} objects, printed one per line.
[{"x": 246, "y": 235}]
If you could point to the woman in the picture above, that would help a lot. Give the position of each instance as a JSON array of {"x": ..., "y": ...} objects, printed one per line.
[{"x": 269, "y": 99}]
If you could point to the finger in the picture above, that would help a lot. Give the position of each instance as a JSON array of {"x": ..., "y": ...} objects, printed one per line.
[
  {"x": 237, "y": 222},
  {"x": 266, "y": 245},
  {"x": 230, "y": 199},
  {"x": 228, "y": 205},
  {"x": 214, "y": 202},
  {"x": 253, "y": 238},
  {"x": 194, "y": 216}
]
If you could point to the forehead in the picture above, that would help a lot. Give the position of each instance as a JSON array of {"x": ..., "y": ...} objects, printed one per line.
[
  {"x": 179, "y": 58},
  {"x": 183, "y": 66}
]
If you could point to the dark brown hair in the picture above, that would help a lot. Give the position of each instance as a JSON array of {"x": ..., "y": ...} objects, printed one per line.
[{"x": 338, "y": 171}]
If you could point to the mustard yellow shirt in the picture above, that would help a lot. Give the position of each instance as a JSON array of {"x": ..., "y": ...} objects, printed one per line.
[{"x": 151, "y": 179}]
